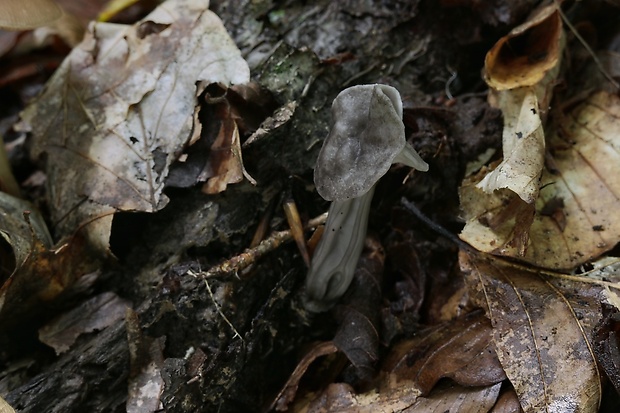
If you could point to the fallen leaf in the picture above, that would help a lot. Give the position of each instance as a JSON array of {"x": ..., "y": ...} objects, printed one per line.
[
  {"x": 26, "y": 274},
  {"x": 461, "y": 350},
  {"x": 121, "y": 107},
  {"x": 523, "y": 146},
  {"x": 289, "y": 392},
  {"x": 214, "y": 155},
  {"x": 43, "y": 276},
  {"x": 97, "y": 313},
  {"x": 223, "y": 166},
  {"x": 525, "y": 55},
  {"x": 507, "y": 402},
  {"x": 607, "y": 344},
  {"x": 339, "y": 397},
  {"x": 521, "y": 70},
  {"x": 570, "y": 225},
  {"x": 452, "y": 398},
  {"x": 358, "y": 313},
  {"x": 542, "y": 329}
]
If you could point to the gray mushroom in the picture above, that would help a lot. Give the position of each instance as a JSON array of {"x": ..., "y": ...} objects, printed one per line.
[{"x": 367, "y": 136}]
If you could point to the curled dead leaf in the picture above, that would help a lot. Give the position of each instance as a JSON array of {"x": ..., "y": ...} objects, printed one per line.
[
  {"x": 570, "y": 225},
  {"x": 523, "y": 146},
  {"x": 525, "y": 55}
]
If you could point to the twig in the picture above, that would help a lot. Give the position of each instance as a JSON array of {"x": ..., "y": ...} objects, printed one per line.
[
  {"x": 435, "y": 227},
  {"x": 251, "y": 255}
]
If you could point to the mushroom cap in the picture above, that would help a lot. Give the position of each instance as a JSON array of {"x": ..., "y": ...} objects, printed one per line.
[
  {"x": 27, "y": 14},
  {"x": 366, "y": 135}
]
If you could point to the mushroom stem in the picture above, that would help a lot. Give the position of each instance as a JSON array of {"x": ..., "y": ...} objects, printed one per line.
[
  {"x": 336, "y": 256},
  {"x": 408, "y": 156}
]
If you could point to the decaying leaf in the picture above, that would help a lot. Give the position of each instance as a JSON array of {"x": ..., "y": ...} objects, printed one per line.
[
  {"x": 214, "y": 155},
  {"x": 340, "y": 397},
  {"x": 461, "y": 350},
  {"x": 521, "y": 70},
  {"x": 95, "y": 314},
  {"x": 523, "y": 145},
  {"x": 607, "y": 344},
  {"x": 570, "y": 225},
  {"x": 542, "y": 328},
  {"x": 121, "y": 107},
  {"x": 358, "y": 313},
  {"x": 524, "y": 56},
  {"x": 289, "y": 392},
  {"x": 27, "y": 273},
  {"x": 451, "y": 398},
  {"x": 448, "y": 397},
  {"x": 224, "y": 166}
]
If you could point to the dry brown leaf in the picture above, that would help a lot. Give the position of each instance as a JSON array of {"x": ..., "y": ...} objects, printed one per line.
[
  {"x": 121, "y": 107},
  {"x": 26, "y": 273},
  {"x": 572, "y": 223},
  {"x": 525, "y": 55},
  {"x": 214, "y": 154},
  {"x": 223, "y": 166},
  {"x": 289, "y": 392},
  {"x": 461, "y": 350},
  {"x": 43, "y": 276},
  {"x": 507, "y": 402},
  {"x": 543, "y": 329}
]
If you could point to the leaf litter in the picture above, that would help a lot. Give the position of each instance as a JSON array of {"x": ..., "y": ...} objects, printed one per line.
[
  {"x": 109, "y": 133},
  {"x": 542, "y": 325},
  {"x": 543, "y": 333}
]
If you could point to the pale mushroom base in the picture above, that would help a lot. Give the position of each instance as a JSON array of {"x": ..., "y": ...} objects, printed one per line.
[{"x": 336, "y": 256}]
